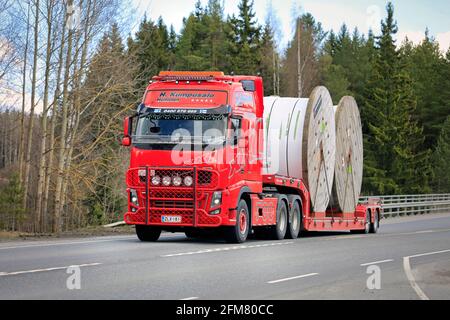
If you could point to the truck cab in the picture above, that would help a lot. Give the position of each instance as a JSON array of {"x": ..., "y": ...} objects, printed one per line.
[{"x": 196, "y": 154}]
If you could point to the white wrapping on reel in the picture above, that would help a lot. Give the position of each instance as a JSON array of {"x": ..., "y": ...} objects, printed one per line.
[
  {"x": 300, "y": 140},
  {"x": 349, "y": 156}
]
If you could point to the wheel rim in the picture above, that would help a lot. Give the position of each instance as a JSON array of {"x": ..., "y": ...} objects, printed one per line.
[
  {"x": 242, "y": 222},
  {"x": 367, "y": 222},
  {"x": 295, "y": 220},
  {"x": 282, "y": 224}
]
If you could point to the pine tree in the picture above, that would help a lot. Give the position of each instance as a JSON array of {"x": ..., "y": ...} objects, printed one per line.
[
  {"x": 430, "y": 75},
  {"x": 312, "y": 37},
  {"x": 11, "y": 210},
  {"x": 246, "y": 54},
  {"x": 269, "y": 60},
  {"x": 192, "y": 45},
  {"x": 150, "y": 49},
  {"x": 441, "y": 159},
  {"x": 395, "y": 159}
]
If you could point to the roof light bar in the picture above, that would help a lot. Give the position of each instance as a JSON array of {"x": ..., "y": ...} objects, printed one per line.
[{"x": 190, "y": 75}]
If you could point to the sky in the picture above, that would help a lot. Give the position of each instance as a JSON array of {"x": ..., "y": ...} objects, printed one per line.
[{"x": 413, "y": 16}]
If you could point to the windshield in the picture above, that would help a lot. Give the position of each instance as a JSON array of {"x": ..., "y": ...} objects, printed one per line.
[{"x": 163, "y": 130}]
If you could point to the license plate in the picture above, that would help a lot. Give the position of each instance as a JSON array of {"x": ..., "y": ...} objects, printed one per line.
[{"x": 171, "y": 219}]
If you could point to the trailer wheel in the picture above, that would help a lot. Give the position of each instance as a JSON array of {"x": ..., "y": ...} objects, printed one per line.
[
  {"x": 147, "y": 233},
  {"x": 278, "y": 232},
  {"x": 375, "y": 225},
  {"x": 366, "y": 230},
  {"x": 239, "y": 232},
  {"x": 294, "y": 227}
]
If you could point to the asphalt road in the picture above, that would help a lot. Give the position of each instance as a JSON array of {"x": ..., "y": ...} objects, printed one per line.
[{"x": 410, "y": 255}]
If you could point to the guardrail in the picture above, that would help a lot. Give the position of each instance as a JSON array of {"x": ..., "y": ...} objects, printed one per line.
[{"x": 403, "y": 205}]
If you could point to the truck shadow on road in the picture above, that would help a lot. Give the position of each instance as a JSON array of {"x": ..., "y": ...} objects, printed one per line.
[{"x": 218, "y": 239}]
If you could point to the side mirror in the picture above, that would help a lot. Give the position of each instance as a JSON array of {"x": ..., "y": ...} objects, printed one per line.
[
  {"x": 126, "y": 141},
  {"x": 127, "y": 129}
]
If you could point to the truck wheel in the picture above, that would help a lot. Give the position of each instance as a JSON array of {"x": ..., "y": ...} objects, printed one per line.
[
  {"x": 193, "y": 234},
  {"x": 278, "y": 232},
  {"x": 293, "y": 229},
  {"x": 147, "y": 233},
  {"x": 239, "y": 232},
  {"x": 366, "y": 230},
  {"x": 376, "y": 223}
]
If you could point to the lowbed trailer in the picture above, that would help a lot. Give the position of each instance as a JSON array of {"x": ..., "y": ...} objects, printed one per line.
[{"x": 179, "y": 184}]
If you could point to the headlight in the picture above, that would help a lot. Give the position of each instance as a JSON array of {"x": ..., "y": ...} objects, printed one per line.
[
  {"x": 167, "y": 181},
  {"x": 134, "y": 198},
  {"x": 156, "y": 180},
  {"x": 142, "y": 172},
  {"x": 177, "y": 181},
  {"x": 188, "y": 181},
  {"x": 216, "y": 199}
]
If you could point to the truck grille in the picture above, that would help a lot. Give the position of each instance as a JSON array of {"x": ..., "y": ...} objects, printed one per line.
[
  {"x": 170, "y": 199},
  {"x": 183, "y": 201}
]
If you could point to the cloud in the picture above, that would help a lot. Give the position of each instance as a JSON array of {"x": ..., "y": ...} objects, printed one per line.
[
  {"x": 12, "y": 99},
  {"x": 444, "y": 40},
  {"x": 417, "y": 37}
]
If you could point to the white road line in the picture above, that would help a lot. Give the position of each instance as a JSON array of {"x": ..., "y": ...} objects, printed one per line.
[
  {"x": 293, "y": 278},
  {"x": 425, "y": 231},
  {"x": 412, "y": 281},
  {"x": 418, "y": 232},
  {"x": 376, "y": 262},
  {"x": 429, "y": 254},
  {"x": 189, "y": 299},
  {"x": 4, "y": 274},
  {"x": 63, "y": 243},
  {"x": 410, "y": 276},
  {"x": 227, "y": 249}
]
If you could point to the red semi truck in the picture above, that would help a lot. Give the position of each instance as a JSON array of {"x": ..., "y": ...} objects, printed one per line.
[{"x": 197, "y": 165}]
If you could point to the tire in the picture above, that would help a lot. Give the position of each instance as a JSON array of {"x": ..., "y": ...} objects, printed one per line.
[
  {"x": 147, "y": 233},
  {"x": 239, "y": 232},
  {"x": 278, "y": 232},
  {"x": 293, "y": 230},
  {"x": 375, "y": 225},
  {"x": 193, "y": 234}
]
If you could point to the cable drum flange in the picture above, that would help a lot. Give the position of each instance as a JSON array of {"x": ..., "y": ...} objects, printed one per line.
[
  {"x": 319, "y": 145},
  {"x": 349, "y": 156}
]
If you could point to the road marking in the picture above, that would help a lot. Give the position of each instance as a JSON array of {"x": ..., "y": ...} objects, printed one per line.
[
  {"x": 410, "y": 276},
  {"x": 419, "y": 232},
  {"x": 376, "y": 262},
  {"x": 429, "y": 254},
  {"x": 189, "y": 299},
  {"x": 64, "y": 243},
  {"x": 412, "y": 281},
  {"x": 351, "y": 237},
  {"x": 15, "y": 273},
  {"x": 227, "y": 249},
  {"x": 293, "y": 278},
  {"x": 425, "y": 231}
]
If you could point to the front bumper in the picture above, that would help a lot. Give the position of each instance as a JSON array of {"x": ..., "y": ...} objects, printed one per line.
[{"x": 188, "y": 204}]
